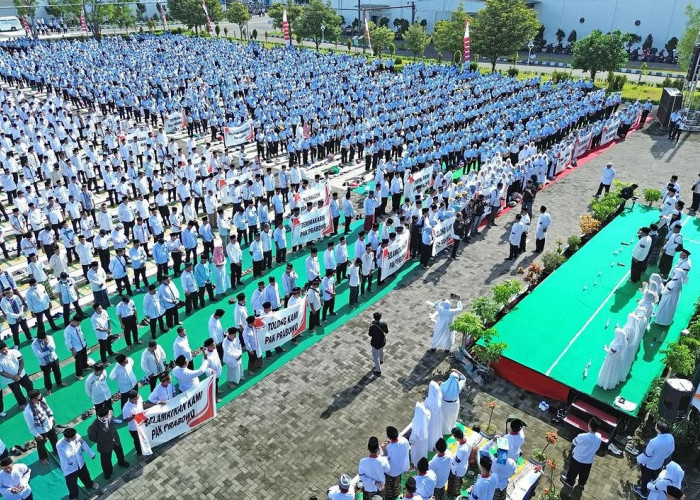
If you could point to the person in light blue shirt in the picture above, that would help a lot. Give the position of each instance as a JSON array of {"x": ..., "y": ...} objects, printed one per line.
[{"x": 202, "y": 276}]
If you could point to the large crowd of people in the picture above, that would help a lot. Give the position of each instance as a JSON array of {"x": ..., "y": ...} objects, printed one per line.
[{"x": 89, "y": 202}]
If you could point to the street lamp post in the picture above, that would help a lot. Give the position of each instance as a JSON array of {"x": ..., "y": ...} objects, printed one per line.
[
  {"x": 530, "y": 46},
  {"x": 323, "y": 32}
]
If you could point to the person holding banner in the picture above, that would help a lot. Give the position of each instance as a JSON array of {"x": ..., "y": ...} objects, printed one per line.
[
  {"x": 250, "y": 341},
  {"x": 133, "y": 407},
  {"x": 313, "y": 298},
  {"x": 186, "y": 378},
  {"x": 211, "y": 357}
]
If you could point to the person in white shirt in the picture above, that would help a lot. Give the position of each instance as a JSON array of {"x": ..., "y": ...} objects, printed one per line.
[
  {"x": 372, "y": 469},
  {"x": 70, "y": 454},
  {"x": 13, "y": 308},
  {"x": 516, "y": 232},
  {"x": 544, "y": 220},
  {"x": 313, "y": 269},
  {"x": 216, "y": 331},
  {"x": 396, "y": 450},
  {"x": 586, "y": 446},
  {"x": 14, "y": 480},
  {"x": 98, "y": 283},
  {"x": 44, "y": 349},
  {"x": 97, "y": 389},
  {"x": 213, "y": 362},
  {"x": 328, "y": 290},
  {"x": 75, "y": 343},
  {"x": 640, "y": 253},
  {"x": 41, "y": 424},
  {"x": 133, "y": 407},
  {"x": 126, "y": 312},
  {"x": 181, "y": 347},
  {"x": 123, "y": 374},
  {"x": 102, "y": 326},
  {"x": 13, "y": 374},
  {"x": 606, "y": 179},
  {"x": 329, "y": 262},
  {"x": 256, "y": 252},
  {"x": 654, "y": 456},
  {"x": 170, "y": 298},
  {"x": 233, "y": 352},
  {"x": 485, "y": 486},
  {"x": 341, "y": 260},
  {"x": 342, "y": 491},
  {"x": 187, "y": 378},
  {"x": 353, "y": 275},
  {"x": 460, "y": 463},
  {"x": 164, "y": 391},
  {"x": 235, "y": 256},
  {"x": 441, "y": 464},
  {"x": 153, "y": 363},
  {"x": 425, "y": 480},
  {"x": 153, "y": 310}
]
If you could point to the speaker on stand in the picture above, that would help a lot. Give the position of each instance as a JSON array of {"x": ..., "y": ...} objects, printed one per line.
[{"x": 675, "y": 398}]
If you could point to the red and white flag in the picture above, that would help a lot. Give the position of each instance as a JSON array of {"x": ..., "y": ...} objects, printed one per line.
[
  {"x": 162, "y": 15},
  {"x": 83, "y": 25},
  {"x": 285, "y": 28},
  {"x": 25, "y": 25},
  {"x": 206, "y": 13},
  {"x": 467, "y": 49},
  {"x": 369, "y": 42}
]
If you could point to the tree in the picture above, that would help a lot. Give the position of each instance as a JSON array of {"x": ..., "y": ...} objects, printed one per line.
[
  {"x": 671, "y": 45},
  {"x": 599, "y": 52},
  {"x": 449, "y": 35},
  {"x": 25, "y": 8},
  {"x": 687, "y": 42},
  {"x": 401, "y": 25},
  {"x": 191, "y": 14},
  {"x": 315, "y": 15},
  {"x": 502, "y": 28},
  {"x": 631, "y": 39},
  {"x": 238, "y": 13},
  {"x": 141, "y": 11},
  {"x": 384, "y": 21},
  {"x": 572, "y": 36},
  {"x": 560, "y": 36},
  {"x": 648, "y": 42},
  {"x": 417, "y": 40},
  {"x": 68, "y": 9},
  {"x": 539, "y": 40},
  {"x": 381, "y": 37},
  {"x": 277, "y": 11}
]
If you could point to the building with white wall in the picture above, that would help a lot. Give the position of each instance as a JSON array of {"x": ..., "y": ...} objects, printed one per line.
[{"x": 664, "y": 19}]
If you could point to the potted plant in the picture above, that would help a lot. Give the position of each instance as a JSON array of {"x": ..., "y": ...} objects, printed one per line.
[
  {"x": 560, "y": 246},
  {"x": 651, "y": 196},
  {"x": 549, "y": 492},
  {"x": 539, "y": 455},
  {"x": 573, "y": 243},
  {"x": 486, "y": 309},
  {"x": 503, "y": 293},
  {"x": 470, "y": 326},
  {"x": 490, "y": 352},
  {"x": 532, "y": 276},
  {"x": 489, "y": 430},
  {"x": 551, "y": 261},
  {"x": 588, "y": 226}
]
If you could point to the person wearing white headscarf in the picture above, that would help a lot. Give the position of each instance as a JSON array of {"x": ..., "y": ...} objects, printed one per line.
[
  {"x": 450, "y": 389},
  {"x": 419, "y": 433},
  {"x": 609, "y": 374},
  {"x": 648, "y": 302},
  {"x": 655, "y": 283},
  {"x": 672, "y": 475},
  {"x": 634, "y": 329},
  {"x": 443, "y": 336},
  {"x": 433, "y": 403},
  {"x": 220, "y": 273},
  {"x": 670, "y": 295}
]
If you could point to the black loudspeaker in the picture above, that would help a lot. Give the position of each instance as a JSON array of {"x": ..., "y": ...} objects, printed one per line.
[
  {"x": 693, "y": 65},
  {"x": 671, "y": 101},
  {"x": 675, "y": 399}
]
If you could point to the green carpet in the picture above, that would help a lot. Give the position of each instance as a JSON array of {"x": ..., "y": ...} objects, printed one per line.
[
  {"x": 69, "y": 402},
  {"x": 567, "y": 303}
]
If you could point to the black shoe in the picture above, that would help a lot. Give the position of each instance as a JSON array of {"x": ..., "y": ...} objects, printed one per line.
[
  {"x": 124, "y": 464},
  {"x": 378, "y": 374}
]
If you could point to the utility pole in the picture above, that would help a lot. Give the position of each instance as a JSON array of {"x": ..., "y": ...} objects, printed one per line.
[
  {"x": 359, "y": 18},
  {"x": 413, "y": 12}
]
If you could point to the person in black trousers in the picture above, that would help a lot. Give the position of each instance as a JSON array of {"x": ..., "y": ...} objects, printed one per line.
[
  {"x": 103, "y": 432},
  {"x": 43, "y": 428},
  {"x": 48, "y": 361},
  {"x": 378, "y": 331},
  {"x": 459, "y": 229},
  {"x": 585, "y": 447},
  {"x": 18, "y": 375}
]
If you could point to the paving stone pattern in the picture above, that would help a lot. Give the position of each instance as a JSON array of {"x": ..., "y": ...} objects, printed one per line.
[{"x": 296, "y": 431}]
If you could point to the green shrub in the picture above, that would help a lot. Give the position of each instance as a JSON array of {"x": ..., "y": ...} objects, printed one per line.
[
  {"x": 551, "y": 261},
  {"x": 486, "y": 309},
  {"x": 398, "y": 61},
  {"x": 651, "y": 196},
  {"x": 616, "y": 82},
  {"x": 439, "y": 57},
  {"x": 504, "y": 292},
  {"x": 574, "y": 242},
  {"x": 490, "y": 352},
  {"x": 559, "y": 76},
  {"x": 679, "y": 359},
  {"x": 469, "y": 324},
  {"x": 473, "y": 66},
  {"x": 605, "y": 206},
  {"x": 513, "y": 72}
]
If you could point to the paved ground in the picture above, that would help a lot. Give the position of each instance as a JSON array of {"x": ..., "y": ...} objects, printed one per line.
[{"x": 293, "y": 433}]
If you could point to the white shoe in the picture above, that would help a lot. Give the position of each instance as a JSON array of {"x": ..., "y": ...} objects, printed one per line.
[{"x": 3, "y": 414}]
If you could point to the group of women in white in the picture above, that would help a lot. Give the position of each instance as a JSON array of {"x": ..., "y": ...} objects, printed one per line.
[{"x": 623, "y": 349}]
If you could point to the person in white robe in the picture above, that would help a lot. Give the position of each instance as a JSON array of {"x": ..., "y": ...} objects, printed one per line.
[
  {"x": 655, "y": 283},
  {"x": 433, "y": 403},
  {"x": 232, "y": 357},
  {"x": 670, "y": 295},
  {"x": 672, "y": 475},
  {"x": 634, "y": 329},
  {"x": 443, "y": 336},
  {"x": 648, "y": 303},
  {"x": 609, "y": 374},
  {"x": 419, "y": 433},
  {"x": 450, "y": 389},
  {"x": 219, "y": 269}
]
